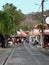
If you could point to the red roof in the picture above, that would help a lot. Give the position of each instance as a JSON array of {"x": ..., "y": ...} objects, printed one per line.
[{"x": 19, "y": 35}]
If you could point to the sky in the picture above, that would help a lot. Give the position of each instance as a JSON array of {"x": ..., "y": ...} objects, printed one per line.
[{"x": 26, "y": 6}]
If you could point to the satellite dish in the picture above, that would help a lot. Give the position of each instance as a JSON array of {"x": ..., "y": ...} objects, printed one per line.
[{"x": 47, "y": 20}]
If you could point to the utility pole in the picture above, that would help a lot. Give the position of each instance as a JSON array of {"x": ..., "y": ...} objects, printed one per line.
[
  {"x": 42, "y": 15},
  {"x": 42, "y": 44}
]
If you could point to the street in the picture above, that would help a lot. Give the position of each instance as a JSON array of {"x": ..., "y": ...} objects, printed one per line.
[
  {"x": 24, "y": 32},
  {"x": 27, "y": 55}
]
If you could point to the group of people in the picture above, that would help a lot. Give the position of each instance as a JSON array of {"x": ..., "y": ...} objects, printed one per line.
[{"x": 19, "y": 41}]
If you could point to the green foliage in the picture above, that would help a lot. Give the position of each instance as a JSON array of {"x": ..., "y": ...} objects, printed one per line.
[
  {"x": 5, "y": 22},
  {"x": 24, "y": 27},
  {"x": 10, "y": 18},
  {"x": 41, "y": 27},
  {"x": 1, "y": 27},
  {"x": 13, "y": 12}
]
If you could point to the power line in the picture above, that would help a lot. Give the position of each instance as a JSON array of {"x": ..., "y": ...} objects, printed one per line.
[
  {"x": 46, "y": 0},
  {"x": 46, "y": 4},
  {"x": 39, "y": 8},
  {"x": 41, "y": 4}
]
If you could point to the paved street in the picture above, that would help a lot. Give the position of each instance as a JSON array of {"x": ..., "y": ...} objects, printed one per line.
[
  {"x": 4, "y": 52},
  {"x": 27, "y": 55}
]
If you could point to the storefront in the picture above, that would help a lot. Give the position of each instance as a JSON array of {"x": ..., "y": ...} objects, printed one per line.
[{"x": 46, "y": 38}]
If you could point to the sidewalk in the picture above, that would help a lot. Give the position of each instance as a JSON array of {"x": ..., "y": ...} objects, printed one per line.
[
  {"x": 43, "y": 50},
  {"x": 4, "y": 52}
]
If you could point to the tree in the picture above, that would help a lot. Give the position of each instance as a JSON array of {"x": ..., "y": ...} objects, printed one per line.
[
  {"x": 44, "y": 26},
  {"x": 6, "y": 23},
  {"x": 10, "y": 18},
  {"x": 13, "y": 12}
]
